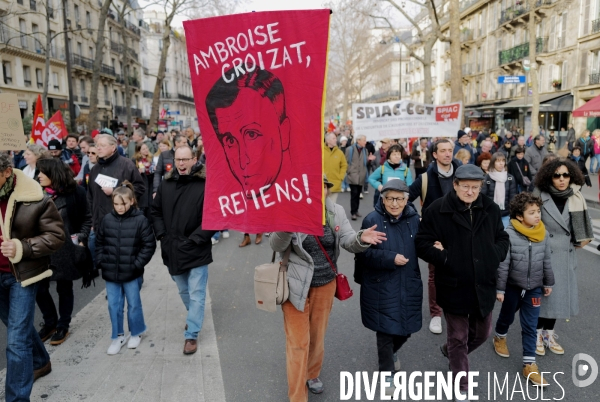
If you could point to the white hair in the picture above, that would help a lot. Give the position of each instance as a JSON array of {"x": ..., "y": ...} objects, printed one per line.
[{"x": 361, "y": 137}]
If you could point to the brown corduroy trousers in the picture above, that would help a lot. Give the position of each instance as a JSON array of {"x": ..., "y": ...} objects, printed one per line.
[{"x": 305, "y": 339}]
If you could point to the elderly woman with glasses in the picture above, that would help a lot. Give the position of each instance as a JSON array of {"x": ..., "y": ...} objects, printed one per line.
[{"x": 391, "y": 293}]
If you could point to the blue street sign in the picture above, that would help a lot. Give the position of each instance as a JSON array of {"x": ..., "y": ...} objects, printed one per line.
[
  {"x": 176, "y": 112},
  {"x": 511, "y": 79}
]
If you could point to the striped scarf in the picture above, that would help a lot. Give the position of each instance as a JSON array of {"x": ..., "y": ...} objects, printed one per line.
[{"x": 581, "y": 223}]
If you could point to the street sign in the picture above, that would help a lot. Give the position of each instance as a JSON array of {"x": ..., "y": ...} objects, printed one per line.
[{"x": 511, "y": 79}]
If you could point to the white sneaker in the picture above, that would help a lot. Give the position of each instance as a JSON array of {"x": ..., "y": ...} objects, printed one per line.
[
  {"x": 361, "y": 196},
  {"x": 225, "y": 235},
  {"x": 117, "y": 344},
  {"x": 134, "y": 342},
  {"x": 435, "y": 325},
  {"x": 396, "y": 362},
  {"x": 213, "y": 241}
]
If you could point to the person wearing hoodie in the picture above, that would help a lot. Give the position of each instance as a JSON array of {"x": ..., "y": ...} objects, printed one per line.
[
  {"x": 523, "y": 276},
  {"x": 463, "y": 141},
  {"x": 391, "y": 294},
  {"x": 392, "y": 169}
]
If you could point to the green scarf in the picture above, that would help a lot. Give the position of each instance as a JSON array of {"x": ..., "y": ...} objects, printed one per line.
[{"x": 8, "y": 187}]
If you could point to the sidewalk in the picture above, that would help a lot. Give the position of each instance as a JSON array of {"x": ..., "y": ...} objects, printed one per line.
[
  {"x": 156, "y": 371},
  {"x": 591, "y": 194}
]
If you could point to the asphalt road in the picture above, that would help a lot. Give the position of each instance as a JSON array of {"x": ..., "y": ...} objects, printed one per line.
[
  {"x": 82, "y": 298},
  {"x": 252, "y": 342}
]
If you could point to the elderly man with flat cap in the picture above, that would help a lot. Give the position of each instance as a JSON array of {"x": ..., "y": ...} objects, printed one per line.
[{"x": 462, "y": 235}]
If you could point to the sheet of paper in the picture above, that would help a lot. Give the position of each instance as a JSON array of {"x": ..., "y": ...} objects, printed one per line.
[
  {"x": 12, "y": 136},
  {"x": 106, "y": 181}
]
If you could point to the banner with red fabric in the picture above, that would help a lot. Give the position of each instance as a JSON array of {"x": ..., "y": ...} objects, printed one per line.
[
  {"x": 258, "y": 81},
  {"x": 38, "y": 124}
]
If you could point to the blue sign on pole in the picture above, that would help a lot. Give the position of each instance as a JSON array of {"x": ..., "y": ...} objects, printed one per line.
[{"x": 511, "y": 79}]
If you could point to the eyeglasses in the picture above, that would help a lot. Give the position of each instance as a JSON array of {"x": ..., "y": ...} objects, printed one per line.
[
  {"x": 186, "y": 160},
  {"x": 91, "y": 153},
  {"x": 565, "y": 175},
  {"x": 392, "y": 200},
  {"x": 466, "y": 188}
]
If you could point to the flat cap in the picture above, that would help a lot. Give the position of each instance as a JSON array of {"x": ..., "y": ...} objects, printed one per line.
[
  {"x": 395, "y": 185},
  {"x": 469, "y": 172}
]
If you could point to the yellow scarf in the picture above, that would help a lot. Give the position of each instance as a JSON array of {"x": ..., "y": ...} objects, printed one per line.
[{"x": 535, "y": 234}]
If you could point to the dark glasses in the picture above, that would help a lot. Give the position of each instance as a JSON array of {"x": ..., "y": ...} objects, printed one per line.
[
  {"x": 91, "y": 153},
  {"x": 559, "y": 175}
]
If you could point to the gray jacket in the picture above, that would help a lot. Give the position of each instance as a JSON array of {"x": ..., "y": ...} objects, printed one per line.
[
  {"x": 301, "y": 266},
  {"x": 527, "y": 264},
  {"x": 535, "y": 156},
  {"x": 357, "y": 165}
]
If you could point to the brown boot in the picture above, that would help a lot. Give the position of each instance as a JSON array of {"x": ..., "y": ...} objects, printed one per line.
[
  {"x": 246, "y": 241},
  {"x": 258, "y": 238},
  {"x": 190, "y": 347}
]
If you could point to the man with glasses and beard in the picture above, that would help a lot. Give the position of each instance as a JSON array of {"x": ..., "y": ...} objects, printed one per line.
[{"x": 186, "y": 247}]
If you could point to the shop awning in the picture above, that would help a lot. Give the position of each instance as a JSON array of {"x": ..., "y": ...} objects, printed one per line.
[
  {"x": 590, "y": 109},
  {"x": 554, "y": 102}
]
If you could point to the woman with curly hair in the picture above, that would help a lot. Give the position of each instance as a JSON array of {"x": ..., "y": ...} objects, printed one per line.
[{"x": 566, "y": 217}]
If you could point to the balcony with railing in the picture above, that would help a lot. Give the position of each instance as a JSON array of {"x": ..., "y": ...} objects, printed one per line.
[
  {"x": 134, "y": 82},
  {"x": 185, "y": 98},
  {"x": 108, "y": 70},
  {"x": 382, "y": 96},
  {"x": 120, "y": 79},
  {"x": 464, "y": 4},
  {"x": 148, "y": 94},
  {"x": 513, "y": 12},
  {"x": 132, "y": 27},
  {"x": 596, "y": 26},
  {"x": 521, "y": 51},
  {"x": 594, "y": 79},
  {"x": 133, "y": 54},
  {"x": 115, "y": 46},
  {"x": 83, "y": 62}
]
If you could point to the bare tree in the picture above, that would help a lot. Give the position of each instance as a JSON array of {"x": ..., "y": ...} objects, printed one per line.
[
  {"x": 97, "y": 66},
  {"x": 456, "y": 85},
  {"x": 125, "y": 56},
  {"x": 426, "y": 36},
  {"x": 533, "y": 77}
]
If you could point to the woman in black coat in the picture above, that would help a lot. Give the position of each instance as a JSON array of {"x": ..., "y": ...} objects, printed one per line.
[
  {"x": 391, "y": 293},
  {"x": 70, "y": 260},
  {"x": 499, "y": 185}
]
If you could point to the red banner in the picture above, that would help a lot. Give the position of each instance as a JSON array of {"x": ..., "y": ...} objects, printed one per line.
[
  {"x": 38, "y": 125},
  {"x": 55, "y": 128},
  {"x": 258, "y": 81}
]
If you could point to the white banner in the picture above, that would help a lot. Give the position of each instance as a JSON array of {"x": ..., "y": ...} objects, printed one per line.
[{"x": 405, "y": 119}]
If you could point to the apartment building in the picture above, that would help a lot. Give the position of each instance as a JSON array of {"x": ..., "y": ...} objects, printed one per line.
[
  {"x": 23, "y": 51},
  {"x": 176, "y": 97},
  {"x": 495, "y": 42}
]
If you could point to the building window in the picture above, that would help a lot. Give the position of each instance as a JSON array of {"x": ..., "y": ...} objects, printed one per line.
[
  {"x": 23, "y": 28},
  {"x": 76, "y": 13},
  {"x": 82, "y": 88},
  {"x": 91, "y": 50},
  {"x": 55, "y": 80},
  {"x": 39, "y": 78},
  {"x": 37, "y": 43},
  {"x": 115, "y": 98},
  {"x": 88, "y": 19},
  {"x": 27, "y": 76},
  {"x": 79, "y": 49},
  {"x": 6, "y": 72},
  {"x": 106, "y": 100}
]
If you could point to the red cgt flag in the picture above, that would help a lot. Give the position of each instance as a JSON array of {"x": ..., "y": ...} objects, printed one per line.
[
  {"x": 54, "y": 129},
  {"x": 38, "y": 121}
]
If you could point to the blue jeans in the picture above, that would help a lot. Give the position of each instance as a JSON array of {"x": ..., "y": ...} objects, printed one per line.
[
  {"x": 25, "y": 351},
  {"x": 506, "y": 220},
  {"x": 192, "y": 289},
  {"x": 595, "y": 167},
  {"x": 92, "y": 245},
  {"x": 116, "y": 294},
  {"x": 528, "y": 305}
]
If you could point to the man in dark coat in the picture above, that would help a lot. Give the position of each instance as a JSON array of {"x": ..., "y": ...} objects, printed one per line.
[
  {"x": 391, "y": 295},
  {"x": 165, "y": 163},
  {"x": 571, "y": 137},
  {"x": 431, "y": 185},
  {"x": 114, "y": 166},
  {"x": 463, "y": 141},
  {"x": 186, "y": 247},
  {"x": 462, "y": 235}
]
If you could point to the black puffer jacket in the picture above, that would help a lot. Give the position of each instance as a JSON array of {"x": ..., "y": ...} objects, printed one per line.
[
  {"x": 124, "y": 245},
  {"x": 510, "y": 190}
]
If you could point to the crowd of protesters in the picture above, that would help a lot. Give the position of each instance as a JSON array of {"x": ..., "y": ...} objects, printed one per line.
[
  {"x": 96, "y": 203},
  {"x": 101, "y": 202}
]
